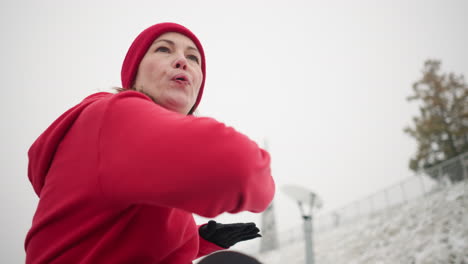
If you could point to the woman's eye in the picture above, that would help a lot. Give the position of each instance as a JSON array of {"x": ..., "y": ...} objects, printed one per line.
[
  {"x": 162, "y": 49},
  {"x": 194, "y": 58}
]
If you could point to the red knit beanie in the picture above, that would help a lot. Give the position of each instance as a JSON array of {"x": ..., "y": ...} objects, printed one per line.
[{"x": 142, "y": 43}]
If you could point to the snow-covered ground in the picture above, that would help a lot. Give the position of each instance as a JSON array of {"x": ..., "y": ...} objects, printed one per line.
[{"x": 432, "y": 229}]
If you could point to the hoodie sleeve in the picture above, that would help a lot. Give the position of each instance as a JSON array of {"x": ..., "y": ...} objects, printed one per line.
[
  {"x": 206, "y": 248},
  {"x": 150, "y": 155}
]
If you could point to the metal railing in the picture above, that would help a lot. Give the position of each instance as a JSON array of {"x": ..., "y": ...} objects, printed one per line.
[{"x": 437, "y": 177}]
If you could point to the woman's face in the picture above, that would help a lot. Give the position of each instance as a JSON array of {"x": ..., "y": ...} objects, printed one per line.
[{"x": 170, "y": 72}]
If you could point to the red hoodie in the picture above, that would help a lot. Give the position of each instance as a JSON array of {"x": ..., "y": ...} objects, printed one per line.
[{"x": 119, "y": 177}]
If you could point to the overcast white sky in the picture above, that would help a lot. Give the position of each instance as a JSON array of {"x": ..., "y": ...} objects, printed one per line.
[{"x": 324, "y": 81}]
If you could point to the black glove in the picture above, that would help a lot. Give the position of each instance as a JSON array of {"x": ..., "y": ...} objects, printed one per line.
[{"x": 227, "y": 235}]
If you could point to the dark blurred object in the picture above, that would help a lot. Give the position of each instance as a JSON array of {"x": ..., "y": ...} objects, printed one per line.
[{"x": 229, "y": 257}]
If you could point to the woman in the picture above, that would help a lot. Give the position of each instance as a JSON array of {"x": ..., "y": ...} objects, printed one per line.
[{"x": 119, "y": 175}]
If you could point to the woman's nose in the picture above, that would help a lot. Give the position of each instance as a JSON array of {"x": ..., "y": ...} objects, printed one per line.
[{"x": 180, "y": 63}]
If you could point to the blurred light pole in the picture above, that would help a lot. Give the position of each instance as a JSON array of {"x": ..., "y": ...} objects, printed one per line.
[{"x": 306, "y": 200}]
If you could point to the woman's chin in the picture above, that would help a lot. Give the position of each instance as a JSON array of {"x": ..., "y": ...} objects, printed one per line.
[{"x": 177, "y": 104}]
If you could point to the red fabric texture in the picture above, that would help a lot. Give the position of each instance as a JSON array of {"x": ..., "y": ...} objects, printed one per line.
[
  {"x": 140, "y": 46},
  {"x": 119, "y": 177}
]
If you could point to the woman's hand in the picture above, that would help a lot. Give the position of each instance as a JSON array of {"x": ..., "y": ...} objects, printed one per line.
[{"x": 227, "y": 235}]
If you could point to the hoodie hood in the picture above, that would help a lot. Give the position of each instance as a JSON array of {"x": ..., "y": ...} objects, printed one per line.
[{"x": 42, "y": 152}]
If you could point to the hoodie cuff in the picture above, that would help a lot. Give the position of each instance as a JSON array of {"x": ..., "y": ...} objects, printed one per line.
[{"x": 205, "y": 247}]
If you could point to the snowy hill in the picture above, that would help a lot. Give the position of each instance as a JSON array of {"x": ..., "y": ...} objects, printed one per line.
[{"x": 431, "y": 229}]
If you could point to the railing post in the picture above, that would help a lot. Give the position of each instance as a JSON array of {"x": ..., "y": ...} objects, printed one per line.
[
  {"x": 386, "y": 199},
  {"x": 372, "y": 204},
  {"x": 421, "y": 180},
  {"x": 358, "y": 209},
  {"x": 405, "y": 199},
  {"x": 464, "y": 166}
]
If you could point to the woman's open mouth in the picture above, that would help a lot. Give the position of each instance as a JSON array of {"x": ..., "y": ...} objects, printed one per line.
[{"x": 181, "y": 79}]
